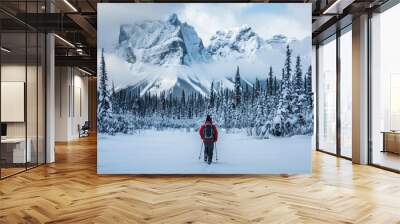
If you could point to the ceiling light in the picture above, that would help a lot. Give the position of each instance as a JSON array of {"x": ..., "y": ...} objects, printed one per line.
[
  {"x": 64, "y": 40},
  {"x": 84, "y": 71},
  {"x": 337, "y": 7},
  {"x": 5, "y": 50},
  {"x": 70, "y": 5}
]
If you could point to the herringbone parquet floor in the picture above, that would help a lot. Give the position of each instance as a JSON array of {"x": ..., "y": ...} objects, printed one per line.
[{"x": 70, "y": 191}]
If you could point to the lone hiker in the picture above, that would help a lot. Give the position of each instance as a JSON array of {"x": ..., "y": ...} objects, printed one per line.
[{"x": 209, "y": 135}]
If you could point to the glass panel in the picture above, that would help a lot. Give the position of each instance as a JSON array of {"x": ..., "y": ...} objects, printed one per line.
[
  {"x": 385, "y": 83},
  {"x": 32, "y": 89},
  {"x": 327, "y": 96},
  {"x": 23, "y": 90},
  {"x": 13, "y": 88},
  {"x": 31, "y": 100},
  {"x": 346, "y": 94},
  {"x": 41, "y": 99}
]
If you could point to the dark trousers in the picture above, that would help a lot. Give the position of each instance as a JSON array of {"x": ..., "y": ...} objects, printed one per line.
[{"x": 208, "y": 152}]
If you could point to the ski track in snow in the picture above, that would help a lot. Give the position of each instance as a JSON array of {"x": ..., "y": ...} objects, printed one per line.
[{"x": 177, "y": 151}]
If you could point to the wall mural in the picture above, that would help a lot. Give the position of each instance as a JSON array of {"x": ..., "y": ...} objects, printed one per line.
[{"x": 204, "y": 88}]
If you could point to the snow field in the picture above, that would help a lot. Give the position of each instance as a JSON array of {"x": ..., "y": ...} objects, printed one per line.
[{"x": 177, "y": 151}]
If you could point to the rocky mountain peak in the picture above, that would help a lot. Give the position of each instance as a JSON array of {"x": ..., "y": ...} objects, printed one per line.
[
  {"x": 173, "y": 19},
  {"x": 165, "y": 55},
  {"x": 237, "y": 42},
  {"x": 161, "y": 42}
]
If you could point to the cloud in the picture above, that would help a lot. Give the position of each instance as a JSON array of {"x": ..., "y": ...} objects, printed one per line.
[{"x": 207, "y": 18}]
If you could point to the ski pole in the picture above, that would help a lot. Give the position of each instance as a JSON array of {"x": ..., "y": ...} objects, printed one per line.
[
  {"x": 201, "y": 149},
  {"x": 216, "y": 151}
]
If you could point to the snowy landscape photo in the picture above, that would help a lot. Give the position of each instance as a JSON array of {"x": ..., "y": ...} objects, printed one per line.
[{"x": 201, "y": 88}]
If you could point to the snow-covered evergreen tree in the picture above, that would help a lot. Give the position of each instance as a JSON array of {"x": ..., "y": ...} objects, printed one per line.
[
  {"x": 298, "y": 78},
  {"x": 104, "y": 108},
  {"x": 309, "y": 117},
  {"x": 308, "y": 80},
  {"x": 257, "y": 87},
  {"x": 212, "y": 95},
  {"x": 272, "y": 105},
  {"x": 283, "y": 123},
  {"x": 270, "y": 82},
  {"x": 299, "y": 104},
  {"x": 238, "y": 87}
]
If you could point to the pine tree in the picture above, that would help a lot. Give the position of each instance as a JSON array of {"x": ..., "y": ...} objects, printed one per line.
[
  {"x": 288, "y": 63},
  {"x": 238, "y": 87},
  {"x": 246, "y": 94},
  {"x": 104, "y": 109},
  {"x": 308, "y": 80},
  {"x": 270, "y": 81},
  {"x": 113, "y": 89},
  {"x": 282, "y": 124},
  {"x": 114, "y": 98},
  {"x": 299, "y": 101},
  {"x": 309, "y": 101},
  {"x": 258, "y": 87},
  {"x": 298, "y": 77},
  {"x": 183, "y": 99},
  {"x": 212, "y": 96}
]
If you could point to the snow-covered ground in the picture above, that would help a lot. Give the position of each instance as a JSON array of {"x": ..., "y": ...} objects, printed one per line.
[{"x": 177, "y": 151}]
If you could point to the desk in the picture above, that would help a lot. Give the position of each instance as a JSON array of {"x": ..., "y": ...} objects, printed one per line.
[
  {"x": 391, "y": 141},
  {"x": 15, "y": 148}
]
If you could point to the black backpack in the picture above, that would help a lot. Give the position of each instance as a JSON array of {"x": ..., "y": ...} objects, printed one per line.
[{"x": 208, "y": 132}]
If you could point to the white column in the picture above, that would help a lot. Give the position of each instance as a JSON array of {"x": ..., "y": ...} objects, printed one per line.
[
  {"x": 50, "y": 92},
  {"x": 50, "y": 99},
  {"x": 360, "y": 90}
]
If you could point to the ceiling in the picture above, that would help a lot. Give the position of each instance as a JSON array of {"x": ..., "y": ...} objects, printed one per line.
[{"x": 75, "y": 21}]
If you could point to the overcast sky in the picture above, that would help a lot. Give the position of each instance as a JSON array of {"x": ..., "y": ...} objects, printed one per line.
[{"x": 267, "y": 19}]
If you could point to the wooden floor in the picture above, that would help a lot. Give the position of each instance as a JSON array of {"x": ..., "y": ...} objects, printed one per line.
[
  {"x": 387, "y": 159},
  {"x": 70, "y": 191}
]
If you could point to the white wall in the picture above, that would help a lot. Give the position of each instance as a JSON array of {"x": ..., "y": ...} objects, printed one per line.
[
  {"x": 33, "y": 126},
  {"x": 17, "y": 73},
  {"x": 11, "y": 73},
  {"x": 71, "y": 102}
]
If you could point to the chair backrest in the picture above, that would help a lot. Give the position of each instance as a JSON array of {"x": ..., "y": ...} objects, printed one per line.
[{"x": 86, "y": 125}]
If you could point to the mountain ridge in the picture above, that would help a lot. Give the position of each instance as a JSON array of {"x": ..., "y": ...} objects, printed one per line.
[{"x": 168, "y": 55}]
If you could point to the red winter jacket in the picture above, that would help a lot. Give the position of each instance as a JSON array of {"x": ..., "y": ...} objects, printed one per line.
[{"x": 202, "y": 133}]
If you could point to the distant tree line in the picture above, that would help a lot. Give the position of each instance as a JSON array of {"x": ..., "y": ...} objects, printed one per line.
[{"x": 271, "y": 106}]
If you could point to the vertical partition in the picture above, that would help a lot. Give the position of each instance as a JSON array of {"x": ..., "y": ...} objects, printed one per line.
[
  {"x": 385, "y": 90},
  {"x": 327, "y": 95},
  {"x": 22, "y": 76},
  {"x": 14, "y": 70}
]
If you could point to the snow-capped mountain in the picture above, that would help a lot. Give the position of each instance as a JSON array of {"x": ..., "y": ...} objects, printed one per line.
[
  {"x": 161, "y": 43},
  {"x": 168, "y": 55},
  {"x": 236, "y": 43},
  {"x": 279, "y": 41},
  {"x": 243, "y": 43},
  {"x": 160, "y": 54}
]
